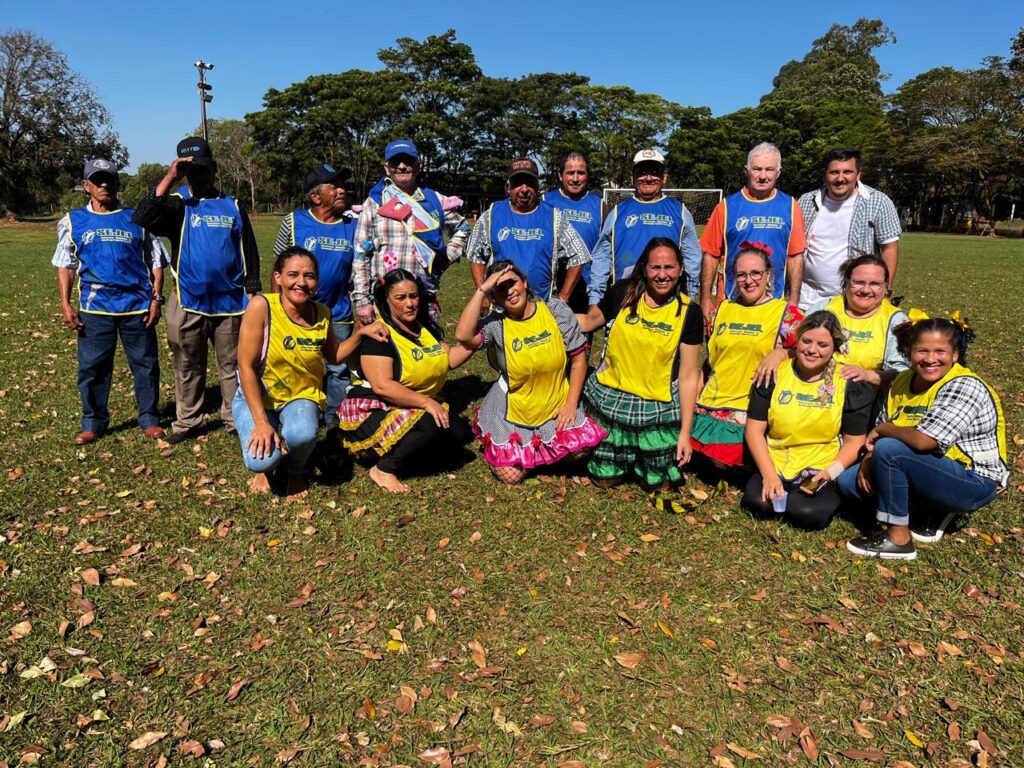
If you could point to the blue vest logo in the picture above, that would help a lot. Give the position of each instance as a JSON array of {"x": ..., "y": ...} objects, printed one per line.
[
  {"x": 196, "y": 220},
  {"x": 742, "y": 223},
  {"x": 88, "y": 237},
  {"x": 309, "y": 244},
  {"x": 785, "y": 397},
  {"x": 631, "y": 220},
  {"x": 503, "y": 233}
]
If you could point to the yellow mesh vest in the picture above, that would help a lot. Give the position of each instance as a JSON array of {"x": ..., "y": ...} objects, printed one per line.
[
  {"x": 865, "y": 337},
  {"x": 742, "y": 336},
  {"x": 906, "y": 409},
  {"x": 641, "y": 349},
  {"x": 293, "y": 357},
  {"x": 535, "y": 359},
  {"x": 424, "y": 364},
  {"x": 804, "y": 421}
]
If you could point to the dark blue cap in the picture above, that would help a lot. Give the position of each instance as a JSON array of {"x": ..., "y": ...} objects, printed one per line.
[{"x": 401, "y": 147}]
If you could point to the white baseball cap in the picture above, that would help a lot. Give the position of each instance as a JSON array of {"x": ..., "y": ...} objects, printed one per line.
[{"x": 648, "y": 156}]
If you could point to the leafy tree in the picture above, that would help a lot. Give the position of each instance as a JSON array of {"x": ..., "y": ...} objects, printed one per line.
[
  {"x": 135, "y": 186},
  {"x": 50, "y": 122},
  {"x": 240, "y": 166},
  {"x": 841, "y": 67}
]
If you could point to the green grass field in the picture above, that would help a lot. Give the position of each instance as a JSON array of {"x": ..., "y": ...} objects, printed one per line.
[{"x": 548, "y": 624}]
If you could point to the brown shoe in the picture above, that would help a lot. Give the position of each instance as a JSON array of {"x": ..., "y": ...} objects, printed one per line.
[
  {"x": 154, "y": 433},
  {"x": 86, "y": 436}
]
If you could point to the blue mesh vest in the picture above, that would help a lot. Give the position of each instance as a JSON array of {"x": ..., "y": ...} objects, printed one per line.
[
  {"x": 585, "y": 217},
  {"x": 528, "y": 241},
  {"x": 332, "y": 246},
  {"x": 211, "y": 264},
  {"x": 636, "y": 224},
  {"x": 112, "y": 269},
  {"x": 768, "y": 221}
]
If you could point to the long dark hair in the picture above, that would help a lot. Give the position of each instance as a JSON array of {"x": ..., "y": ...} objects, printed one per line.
[
  {"x": 638, "y": 280},
  {"x": 383, "y": 287},
  {"x": 959, "y": 336}
]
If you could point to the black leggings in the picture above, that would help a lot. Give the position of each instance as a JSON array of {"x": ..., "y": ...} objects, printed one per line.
[
  {"x": 812, "y": 512},
  {"x": 426, "y": 443}
]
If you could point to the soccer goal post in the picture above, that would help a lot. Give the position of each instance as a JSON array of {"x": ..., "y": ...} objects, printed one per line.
[{"x": 700, "y": 202}]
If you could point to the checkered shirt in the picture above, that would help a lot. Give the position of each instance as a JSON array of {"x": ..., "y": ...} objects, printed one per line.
[{"x": 875, "y": 221}]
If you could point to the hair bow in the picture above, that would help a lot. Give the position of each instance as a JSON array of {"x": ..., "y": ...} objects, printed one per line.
[
  {"x": 916, "y": 315},
  {"x": 756, "y": 245},
  {"x": 957, "y": 319}
]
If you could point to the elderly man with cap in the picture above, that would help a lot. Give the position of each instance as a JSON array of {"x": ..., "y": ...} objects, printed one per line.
[
  {"x": 120, "y": 269},
  {"x": 216, "y": 269},
  {"x": 635, "y": 221},
  {"x": 582, "y": 208},
  {"x": 531, "y": 233},
  {"x": 762, "y": 215},
  {"x": 327, "y": 230},
  {"x": 404, "y": 225}
]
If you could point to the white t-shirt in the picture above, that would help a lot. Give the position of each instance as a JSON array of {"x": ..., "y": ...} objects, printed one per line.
[{"x": 827, "y": 249}]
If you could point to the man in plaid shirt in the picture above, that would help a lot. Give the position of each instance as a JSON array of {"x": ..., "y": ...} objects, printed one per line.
[
  {"x": 843, "y": 219},
  {"x": 403, "y": 225}
]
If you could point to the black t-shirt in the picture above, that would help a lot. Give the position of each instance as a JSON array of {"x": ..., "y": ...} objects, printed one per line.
[
  {"x": 369, "y": 347},
  {"x": 860, "y": 397}
]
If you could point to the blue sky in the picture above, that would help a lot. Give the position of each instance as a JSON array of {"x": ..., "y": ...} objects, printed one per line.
[{"x": 138, "y": 55}]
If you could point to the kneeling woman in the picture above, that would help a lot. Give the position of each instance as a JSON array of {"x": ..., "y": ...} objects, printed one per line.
[
  {"x": 805, "y": 428},
  {"x": 531, "y": 417},
  {"x": 282, "y": 342},
  {"x": 744, "y": 332},
  {"x": 942, "y": 438},
  {"x": 645, "y": 387},
  {"x": 393, "y": 411}
]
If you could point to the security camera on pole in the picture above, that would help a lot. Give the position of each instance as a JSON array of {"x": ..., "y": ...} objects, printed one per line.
[{"x": 205, "y": 97}]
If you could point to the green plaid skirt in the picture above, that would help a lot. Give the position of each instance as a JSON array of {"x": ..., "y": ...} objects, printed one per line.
[{"x": 642, "y": 434}]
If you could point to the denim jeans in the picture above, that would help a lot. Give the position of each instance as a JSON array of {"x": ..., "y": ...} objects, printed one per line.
[
  {"x": 97, "y": 343},
  {"x": 297, "y": 424},
  {"x": 338, "y": 378},
  {"x": 898, "y": 471}
]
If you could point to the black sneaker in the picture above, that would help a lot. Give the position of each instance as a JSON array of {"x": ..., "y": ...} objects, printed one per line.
[
  {"x": 934, "y": 529},
  {"x": 176, "y": 438},
  {"x": 880, "y": 545}
]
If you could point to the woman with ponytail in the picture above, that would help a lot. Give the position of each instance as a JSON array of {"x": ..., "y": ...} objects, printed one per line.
[
  {"x": 941, "y": 438},
  {"x": 805, "y": 428}
]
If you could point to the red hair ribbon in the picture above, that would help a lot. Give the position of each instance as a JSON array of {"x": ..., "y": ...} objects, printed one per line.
[{"x": 756, "y": 246}]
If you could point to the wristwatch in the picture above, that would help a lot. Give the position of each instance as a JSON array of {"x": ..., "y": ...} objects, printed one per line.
[{"x": 158, "y": 298}]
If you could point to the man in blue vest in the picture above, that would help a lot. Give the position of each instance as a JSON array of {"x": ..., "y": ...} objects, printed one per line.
[
  {"x": 530, "y": 233},
  {"x": 760, "y": 213},
  {"x": 120, "y": 268},
  {"x": 327, "y": 230},
  {"x": 216, "y": 268},
  {"x": 582, "y": 209},
  {"x": 635, "y": 221}
]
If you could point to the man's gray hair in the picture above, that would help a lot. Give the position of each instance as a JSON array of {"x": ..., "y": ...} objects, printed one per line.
[{"x": 764, "y": 148}]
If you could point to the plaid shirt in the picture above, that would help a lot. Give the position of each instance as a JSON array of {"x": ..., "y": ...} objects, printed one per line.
[
  {"x": 963, "y": 414},
  {"x": 875, "y": 222},
  {"x": 376, "y": 235}
]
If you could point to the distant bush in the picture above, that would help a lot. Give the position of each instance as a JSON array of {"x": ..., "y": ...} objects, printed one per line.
[{"x": 1013, "y": 228}]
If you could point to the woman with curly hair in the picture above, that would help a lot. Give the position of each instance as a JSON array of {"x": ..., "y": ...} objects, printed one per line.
[
  {"x": 805, "y": 428},
  {"x": 941, "y": 438}
]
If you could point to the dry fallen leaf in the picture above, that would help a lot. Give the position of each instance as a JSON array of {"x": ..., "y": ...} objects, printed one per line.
[
  {"x": 808, "y": 745},
  {"x": 746, "y": 754},
  {"x": 479, "y": 654},
  {"x": 435, "y": 756},
  {"x": 630, "y": 660},
  {"x": 21, "y": 629},
  {"x": 542, "y": 720},
  {"x": 147, "y": 739},
  {"x": 784, "y": 664},
  {"x": 90, "y": 576}
]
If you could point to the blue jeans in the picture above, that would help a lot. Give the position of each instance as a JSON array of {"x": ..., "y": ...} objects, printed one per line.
[
  {"x": 898, "y": 470},
  {"x": 97, "y": 343},
  {"x": 338, "y": 378},
  {"x": 297, "y": 424}
]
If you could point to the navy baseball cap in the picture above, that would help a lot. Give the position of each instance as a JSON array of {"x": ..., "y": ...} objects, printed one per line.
[
  {"x": 401, "y": 147},
  {"x": 198, "y": 149},
  {"x": 325, "y": 174},
  {"x": 99, "y": 165}
]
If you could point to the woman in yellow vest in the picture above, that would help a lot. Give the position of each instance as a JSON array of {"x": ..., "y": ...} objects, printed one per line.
[
  {"x": 868, "y": 318},
  {"x": 805, "y": 428},
  {"x": 532, "y": 416},
  {"x": 743, "y": 331},
  {"x": 282, "y": 343},
  {"x": 394, "y": 413},
  {"x": 645, "y": 387},
  {"x": 941, "y": 439}
]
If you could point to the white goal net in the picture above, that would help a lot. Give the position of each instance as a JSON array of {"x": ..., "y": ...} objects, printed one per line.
[{"x": 700, "y": 202}]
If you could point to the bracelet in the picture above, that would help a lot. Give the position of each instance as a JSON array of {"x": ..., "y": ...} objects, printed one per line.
[{"x": 835, "y": 469}]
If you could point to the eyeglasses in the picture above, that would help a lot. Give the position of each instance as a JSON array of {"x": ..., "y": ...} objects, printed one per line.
[
  {"x": 874, "y": 286},
  {"x": 753, "y": 275}
]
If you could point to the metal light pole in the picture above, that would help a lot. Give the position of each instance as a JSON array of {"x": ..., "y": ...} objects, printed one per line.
[{"x": 205, "y": 97}]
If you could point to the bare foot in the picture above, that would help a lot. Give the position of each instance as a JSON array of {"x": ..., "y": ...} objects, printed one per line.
[
  {"x": 388, "y": 481},
  {"x": 297, "y": 488},
  {"x": 259, "y": 483}
]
